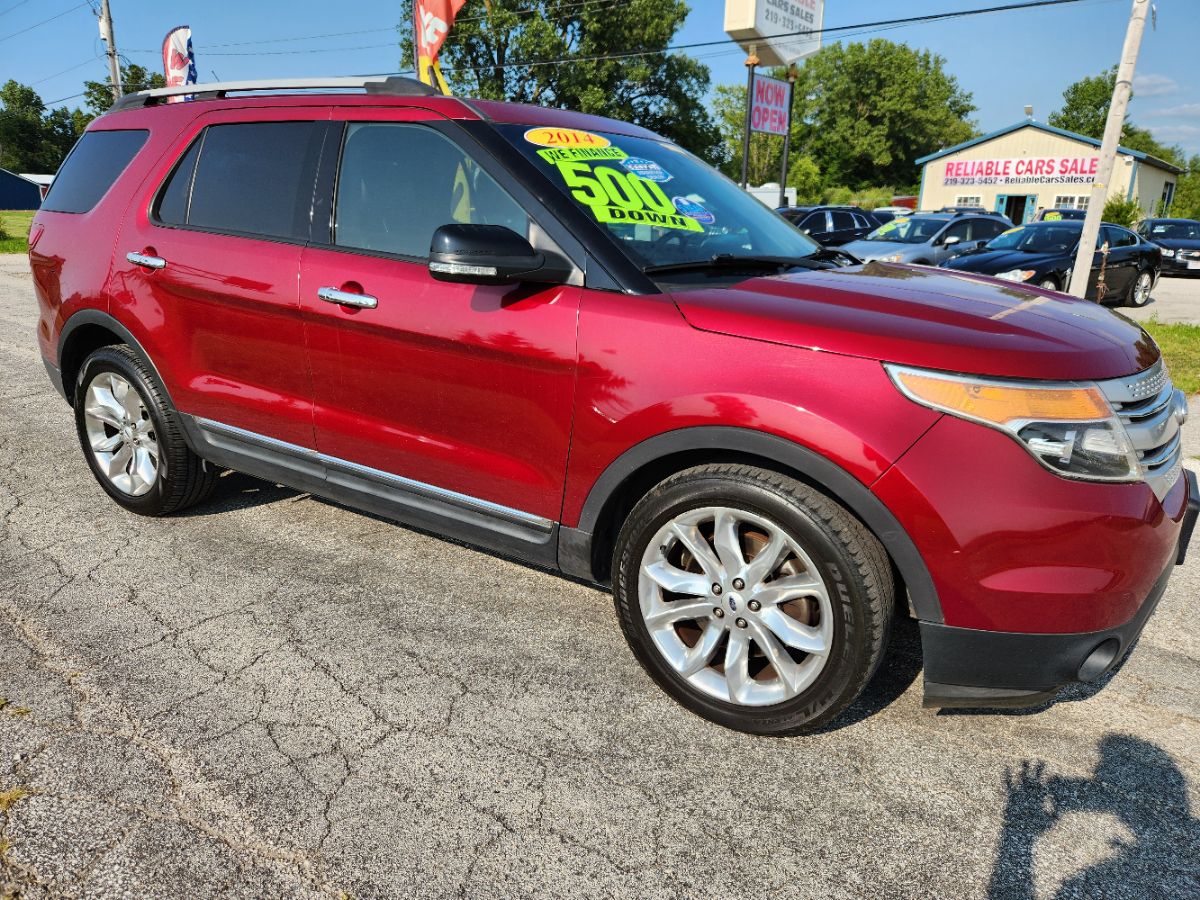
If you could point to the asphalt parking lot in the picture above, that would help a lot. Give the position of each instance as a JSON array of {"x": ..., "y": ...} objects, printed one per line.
[
  {"x": 274, "y": 696},
  {"x": 1175, "y": 299}
]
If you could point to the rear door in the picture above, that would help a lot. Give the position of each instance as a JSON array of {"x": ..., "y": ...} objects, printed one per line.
[
  {"x": 1123, "y": 259},
  {"x": 844, "y": 228},
  {"x": 209, "y": 261},
  {"x": 456, "y": 392}
]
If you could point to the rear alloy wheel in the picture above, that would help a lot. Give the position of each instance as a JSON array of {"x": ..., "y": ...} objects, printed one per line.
[
  {"x": 751, "y": 598},
  {"x": 132, "y": 437},
  {"x": 121, "y": 434},
  {"x": 1139, "y": 294},
  {"x": 1048, "y": 284}
]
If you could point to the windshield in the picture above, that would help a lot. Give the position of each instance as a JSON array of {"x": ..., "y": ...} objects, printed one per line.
[
  {"x": 660, "y": 203},
  {"x": 908, "y": 230},
  {"x": 1037, "y": 239},
  {"x": 1175, "y": 231}
]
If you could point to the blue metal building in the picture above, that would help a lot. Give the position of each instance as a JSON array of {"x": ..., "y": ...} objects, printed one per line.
[{"x": 18, "y": 192}]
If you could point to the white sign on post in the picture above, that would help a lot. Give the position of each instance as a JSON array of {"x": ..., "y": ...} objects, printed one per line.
[
  {"x": 756, "y": 24},
  {"x": 770, "y": 108}
]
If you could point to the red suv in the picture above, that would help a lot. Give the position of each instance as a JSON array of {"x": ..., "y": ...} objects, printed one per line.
[{"x": 569, "y": 341}]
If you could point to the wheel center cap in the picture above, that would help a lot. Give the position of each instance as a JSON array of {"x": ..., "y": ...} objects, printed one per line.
[{"x": 734, "y": 601}]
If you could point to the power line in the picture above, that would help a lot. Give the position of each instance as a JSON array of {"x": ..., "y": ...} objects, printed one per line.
[
  {"x": 62, "y": 99},
  {"x": 65, "y": 71},
  {"x": 14, "y": 6},
  {"x": 862, "y": 27},
  {"x": 44, "y": 21}
]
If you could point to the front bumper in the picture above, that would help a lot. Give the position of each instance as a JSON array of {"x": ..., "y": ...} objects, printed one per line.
[
  {"x": 968, "y": 667},
  {"x": 1175, "y": 265}
]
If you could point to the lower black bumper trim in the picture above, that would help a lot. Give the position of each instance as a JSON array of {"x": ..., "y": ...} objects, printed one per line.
[{"x": 969, "y": 667}]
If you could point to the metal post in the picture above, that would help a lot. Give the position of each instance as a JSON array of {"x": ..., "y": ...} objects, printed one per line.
[
  {"x": 751, "y": 62},
  {"x": 110, "y": 41},
  {"x": 787, "y": 136},
  {"x": 1108, "y": 148}
]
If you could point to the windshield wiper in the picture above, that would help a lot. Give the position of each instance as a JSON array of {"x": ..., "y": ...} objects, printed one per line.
[{"x": 721, "y": 261}]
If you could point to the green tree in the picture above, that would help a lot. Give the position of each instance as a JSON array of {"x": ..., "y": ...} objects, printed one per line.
[
  {"x": 32, "y": 138},
  {"x": 502, "y": 50},
  {"x": 1085, "y": 111},
  {"x": 862, "y": 113},
  {"x": 98, "y": 94},
  {"x": 1186, "y": 204},
  {"x": 866, "y": 112}
]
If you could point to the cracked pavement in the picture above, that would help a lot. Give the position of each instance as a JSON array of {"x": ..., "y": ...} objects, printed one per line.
[{"x": 275, "y": 696}]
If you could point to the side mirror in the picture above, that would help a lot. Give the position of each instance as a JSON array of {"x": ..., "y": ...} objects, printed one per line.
[
  {"x": 951, "y": 240},
  {"x": 490, "y": 254}
]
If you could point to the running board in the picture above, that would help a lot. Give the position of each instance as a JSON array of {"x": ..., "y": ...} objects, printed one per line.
[{"x": 507, "y": 531}]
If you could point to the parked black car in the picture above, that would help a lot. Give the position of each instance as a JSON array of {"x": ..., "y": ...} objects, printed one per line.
[
  {"x": 831, "y": 226},
  {"x": 1059, "y": 214},
  {"x": 1180, "y": 242},
  {"x": 1043, "y": 253}
]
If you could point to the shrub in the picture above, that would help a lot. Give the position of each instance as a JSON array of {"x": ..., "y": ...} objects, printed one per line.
[{"x": 1122, "y": 212}]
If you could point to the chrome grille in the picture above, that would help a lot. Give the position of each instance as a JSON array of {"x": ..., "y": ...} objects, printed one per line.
[{"x": 1152, "y": 410}]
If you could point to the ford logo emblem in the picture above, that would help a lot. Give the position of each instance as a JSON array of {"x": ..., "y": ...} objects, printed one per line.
[{"x": 733, "y": 604}]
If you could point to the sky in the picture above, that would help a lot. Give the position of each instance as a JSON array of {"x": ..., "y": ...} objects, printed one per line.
[{"x": 1006, "y": 60}]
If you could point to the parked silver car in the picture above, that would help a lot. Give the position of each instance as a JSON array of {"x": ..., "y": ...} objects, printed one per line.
[{"x": 927, "y": 238}]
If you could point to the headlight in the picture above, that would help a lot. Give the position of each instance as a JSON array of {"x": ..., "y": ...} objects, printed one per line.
[
  {"x": 1017, "y": 275},
  {"x": 892, "y": 257},
  {"x": 1170, "y": 254},
  {"x": 1068, "y": 427}
]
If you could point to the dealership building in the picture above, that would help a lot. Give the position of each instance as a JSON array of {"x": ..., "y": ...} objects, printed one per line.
[{"x": 1030, "y": 166}]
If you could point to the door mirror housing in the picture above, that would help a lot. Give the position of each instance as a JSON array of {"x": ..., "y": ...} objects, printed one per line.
[
  {"x": 490, "y": 254},
  {"x": 950, "y": 240}
]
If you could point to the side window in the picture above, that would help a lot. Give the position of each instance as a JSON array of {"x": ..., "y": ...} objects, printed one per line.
[
  {"x": 399, "y": 183},
  {"x": 92, "y": 168},
  {"x": 1116, "y": 237},
  {"x": 1123, "y": 238},
  {"x": 814, "y": 222},
  {"x": 863, "y": 222},
  {"x": 252, "y": 178},
  {"x": 173, "y": 202},
  {"x": 986, "y": 229},
  {"x": 842, "y": 221},
  {"x": 960, "y": 230}
]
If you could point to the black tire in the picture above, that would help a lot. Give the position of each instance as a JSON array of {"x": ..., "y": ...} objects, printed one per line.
[
  {"x": 183, "y": 479},
  {"x": 1131, "y": 299},
  {"x": 851, "y": 562}
]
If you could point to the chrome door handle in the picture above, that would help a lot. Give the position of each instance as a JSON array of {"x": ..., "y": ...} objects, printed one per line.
[
  {"x": 345, "y": 298},
  {"x": 149, "y": 262}
]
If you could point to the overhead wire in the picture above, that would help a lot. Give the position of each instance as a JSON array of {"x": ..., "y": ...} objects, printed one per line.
[{"x": 43, "y": 22}]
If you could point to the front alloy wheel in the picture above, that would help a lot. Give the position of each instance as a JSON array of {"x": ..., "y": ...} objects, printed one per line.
[
  {"x": 735, "y": 606},
  {"x": 753, "y": 599},
  {"x": 121, "y": 434}
]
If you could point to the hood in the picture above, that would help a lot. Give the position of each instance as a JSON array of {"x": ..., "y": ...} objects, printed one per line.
[
  {"x": 933, "y": 318},
  {"x": 1178, "y": 243},
  {"x": 870, "y": 250},
  {"x": 989, "y": 262}
]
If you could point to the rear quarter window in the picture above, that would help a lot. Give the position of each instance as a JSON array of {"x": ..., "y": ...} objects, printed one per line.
[
  {"x": 252, "y": 178},
  {"x": 91, "y": 168}
]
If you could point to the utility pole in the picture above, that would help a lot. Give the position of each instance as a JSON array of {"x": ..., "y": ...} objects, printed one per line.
[
  {"x": 1108, "y": 148},
  {"x": 751, "y": 63},
  {"x": 106, "y": 35}
]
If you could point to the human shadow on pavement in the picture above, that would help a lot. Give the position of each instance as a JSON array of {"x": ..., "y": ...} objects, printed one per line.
[{"x": 1135, "y": 781}]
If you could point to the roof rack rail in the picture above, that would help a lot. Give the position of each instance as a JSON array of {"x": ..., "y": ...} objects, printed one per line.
[{"x": 393, "y": 85}]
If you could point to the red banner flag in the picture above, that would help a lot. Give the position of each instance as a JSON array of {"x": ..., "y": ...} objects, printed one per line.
[
  {"x": 179, "y": 62},
  {"x": 432, "y": 21}
]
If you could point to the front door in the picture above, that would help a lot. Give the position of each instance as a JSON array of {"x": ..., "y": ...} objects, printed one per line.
[
  {"x": 218, "y": 253},
  {"x": 454, "y": 388}
]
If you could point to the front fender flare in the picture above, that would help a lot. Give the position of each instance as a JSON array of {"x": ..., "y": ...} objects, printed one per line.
[{"x": 575, "y": 544}]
